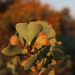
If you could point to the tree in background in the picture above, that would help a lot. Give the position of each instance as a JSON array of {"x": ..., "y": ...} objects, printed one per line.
[{"x": 67, "y": 36}]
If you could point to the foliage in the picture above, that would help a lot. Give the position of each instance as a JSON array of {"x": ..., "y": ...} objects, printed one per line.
[
  {"x": 20, "y": 11},
  {"x": 13, "y": 11},
  {"x": 34, "y": 48}
]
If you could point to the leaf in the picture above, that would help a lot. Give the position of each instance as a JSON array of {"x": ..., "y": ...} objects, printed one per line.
[
  {"x": 49, "y": 32},
  {"x": 52, "y": 41},
  {"x": 43, "y": 23},
  {"x": 30, "y": 62},
  {"x": 28, "y": 32},
  {"x": 23, "y": 41},
  {"x": 22, "y": 29},
  {"x": 12, "y": 50},
  {"x": 39, "y": 47},
  {"x": 64, "y": 62},
  {"x": 44, "y": 52},
  {"x": 42, "y": 39},
  {"x": 33, "y": 30},
  {"x": 57, "y": 54}
]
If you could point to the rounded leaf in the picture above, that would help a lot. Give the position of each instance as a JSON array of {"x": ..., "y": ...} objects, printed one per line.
[
  {"x": 64, "y": 62},
  {"x": 30, "y": 62},
  {"x": 52, "y": 41},
  {"x": 49, "y": 31},
  {"x": 12, "y": 50},
  {"x": 58, "y": 54},
  {"x": 42, "y": 39},
  {"x": 43, "y": 23},
  {"x": 28, "y": 32}
]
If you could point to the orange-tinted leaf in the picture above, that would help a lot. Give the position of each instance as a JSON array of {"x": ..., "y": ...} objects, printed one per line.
[{"x": 42, "y": 39}]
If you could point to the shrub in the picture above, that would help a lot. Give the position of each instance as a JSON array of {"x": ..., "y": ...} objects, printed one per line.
[{"x": 36, "y": 47}]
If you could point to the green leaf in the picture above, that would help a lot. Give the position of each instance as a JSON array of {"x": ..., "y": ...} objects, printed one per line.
[
  {"x": 22, "y": 29},
  {"x": 64, "y": 62},
  {"x": 28, "y": 32},
  {"x": 52, "y": 41},
  {"x": 49, "y": 31},
  {"x": 43, "y": 23},
  {"x": 30, "y": 62},
  {"x": 12, "y": 50},
  {"x": 58, "y": 54},
  {"x": 33, "y": 31},
  {"x": 44, "y": 52}
]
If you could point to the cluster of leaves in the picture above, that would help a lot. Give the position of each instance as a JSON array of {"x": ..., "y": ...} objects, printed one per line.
[
  {"x": 36, "y": 47},
  {"x": 12, "y": 14},
  {"x": 27, "y": 11}
]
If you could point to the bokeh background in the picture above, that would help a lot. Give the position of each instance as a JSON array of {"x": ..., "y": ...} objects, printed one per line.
[{"x": 61, "y": 17}]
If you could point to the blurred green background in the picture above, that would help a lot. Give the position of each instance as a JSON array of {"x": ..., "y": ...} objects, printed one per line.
[{"x": 18, "y": 11}]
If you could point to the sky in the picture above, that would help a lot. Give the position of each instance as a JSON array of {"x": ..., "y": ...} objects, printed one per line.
[{"x": 58, "y": 5}]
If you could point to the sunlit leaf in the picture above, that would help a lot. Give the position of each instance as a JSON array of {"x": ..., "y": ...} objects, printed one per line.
[
  {"x": 42, "y": 39},
  {"x": 39, "y": 47},
  {"x": 12, "y": 50},
  {"x": 33, "y": 30},
  {"x": 14, "y": 40},
  {"x": 28, "y": 32},
  {"x": 22, "y": 29},
  {"x": 52, "y": 41},
  {"x": 49, "y": 31},
  {"x": 43, "y": 23},
  {"x": 30, "y": 62}
]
